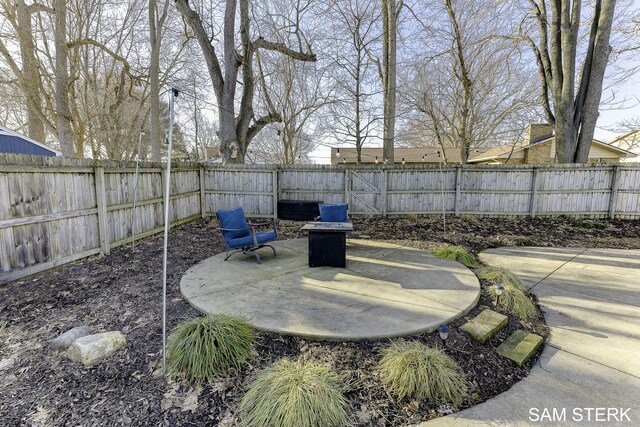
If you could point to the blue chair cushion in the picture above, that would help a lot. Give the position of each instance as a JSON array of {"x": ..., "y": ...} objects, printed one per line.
[
  {"x": 261, "y": 237},
  {"x": 334, "y": 213},
  {"x": 236, "y": 220}
]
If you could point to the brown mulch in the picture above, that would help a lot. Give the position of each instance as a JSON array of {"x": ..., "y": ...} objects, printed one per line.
[{"x": 39, "y": 386}]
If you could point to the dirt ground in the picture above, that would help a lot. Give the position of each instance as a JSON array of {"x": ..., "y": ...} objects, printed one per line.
[{"x": 39, "y": 386}]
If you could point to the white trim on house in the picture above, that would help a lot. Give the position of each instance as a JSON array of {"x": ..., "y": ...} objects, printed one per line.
[{"x": 7, "y": 131}]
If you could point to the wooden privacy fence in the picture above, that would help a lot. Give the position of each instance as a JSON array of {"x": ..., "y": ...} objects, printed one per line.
[
  {"x": 55, "y": 210},
  {"x": 502, "y": 190}
]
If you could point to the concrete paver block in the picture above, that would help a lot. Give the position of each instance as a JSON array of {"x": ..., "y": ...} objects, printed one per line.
[
  {"x": 520, "y": 346},
  {"x": 485, "y": 325}
]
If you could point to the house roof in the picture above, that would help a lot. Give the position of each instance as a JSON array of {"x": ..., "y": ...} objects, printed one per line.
[
  {"x": 410, "y": 155},
  {"x": 12, "y": 134},
  {"x": 624, "y": 136},
  {"x": 503, "y": 151},
  {"x": 634, "y": 134}
]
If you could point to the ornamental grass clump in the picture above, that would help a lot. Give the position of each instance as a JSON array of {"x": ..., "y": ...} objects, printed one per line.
[
  {"x": 207, "y": 348},
  {"x": 295, "y": 394},
  {"x": 411, "y": 369},
  {"x": 496, "y": 275},
  {"x": 456, "y": 253},
  {"x": 515, "y": 301}
]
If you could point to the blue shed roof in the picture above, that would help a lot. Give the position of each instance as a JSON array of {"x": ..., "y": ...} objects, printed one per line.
[{"x": 13, "y": 142}]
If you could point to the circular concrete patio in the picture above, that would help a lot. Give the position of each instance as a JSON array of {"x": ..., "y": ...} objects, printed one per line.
[{"x": 385, "y": 291}]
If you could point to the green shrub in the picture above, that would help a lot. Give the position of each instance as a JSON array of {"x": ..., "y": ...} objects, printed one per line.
[
  {"x": 295, "y": 394},
  {"x": 593, "y": 224},
  {"x": 456, "y": 253},
  {"x": 497, "y": 275},
  {"x": 411, "y": 369},
  {"x": 515, "y": 301},
  {"x": 206, "y": 348}
]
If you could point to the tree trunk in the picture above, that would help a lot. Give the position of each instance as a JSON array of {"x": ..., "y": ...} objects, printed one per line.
[
  {"x": 464, "y": 138},
  {"x": 236, "y": 132},
  {"x": 389, "y": 54},
  {"x": 154, "y": 83},
  {"x": 228, "y": 139},
  {"x": 601, "y": 51},
  {"x": 575, "y": 112},
  {"x": 30, "y": 70},
  {"x": 65, "y": 132}
]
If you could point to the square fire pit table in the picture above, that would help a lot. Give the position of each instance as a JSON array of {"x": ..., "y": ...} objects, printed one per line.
[{"x": 328, "y": 243}]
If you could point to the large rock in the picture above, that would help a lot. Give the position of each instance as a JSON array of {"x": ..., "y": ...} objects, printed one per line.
[
  {"x": 64, "y": 341},
  {"x": 94, "y": 348}
]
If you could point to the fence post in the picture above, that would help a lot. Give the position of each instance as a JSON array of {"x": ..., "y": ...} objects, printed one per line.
[
  {"x": 457, "y": 201},
  {"x": 203, "y": 193},
  {"x": 101, "y": 201},
  {"x": 383, "y": 192},
  {"x": 534, "y": 193},
  {"x": 347, "y": 185},
  {"x": 615, "y": 183},
  {"x": 274, "y": 187}
]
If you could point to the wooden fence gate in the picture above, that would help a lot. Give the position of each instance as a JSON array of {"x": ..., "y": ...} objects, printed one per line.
[{"x": 365, "y": 191}]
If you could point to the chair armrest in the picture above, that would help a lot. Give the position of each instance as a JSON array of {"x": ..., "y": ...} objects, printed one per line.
[
  {"x": 231, "y": 229},
  {"x": 253, "y": 225}
]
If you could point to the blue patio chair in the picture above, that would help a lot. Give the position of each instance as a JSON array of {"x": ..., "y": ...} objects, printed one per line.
[
  {"x": 334, "y": 213},
  {"x": 241, "y": 236}
]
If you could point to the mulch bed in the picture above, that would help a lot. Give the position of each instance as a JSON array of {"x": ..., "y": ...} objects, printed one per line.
[{"x": 122, "y": 291}]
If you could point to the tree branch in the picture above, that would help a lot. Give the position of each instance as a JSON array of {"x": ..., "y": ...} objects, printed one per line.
[
  {"x": 261, "y": 43},
  {"x": 193, "y": 20},
  {"x": 123, "y": 60},
  {"x": 272, "y": 117}
]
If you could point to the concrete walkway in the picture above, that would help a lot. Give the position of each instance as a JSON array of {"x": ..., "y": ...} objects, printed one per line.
[
  {"x": 591, "y": 300},
  {"x": 384, "y": 291}
]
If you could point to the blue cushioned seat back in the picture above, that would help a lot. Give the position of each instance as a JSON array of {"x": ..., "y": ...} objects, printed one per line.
[
  {"x": 233, "y": 219},
  {"x": 334, "y": 213}
]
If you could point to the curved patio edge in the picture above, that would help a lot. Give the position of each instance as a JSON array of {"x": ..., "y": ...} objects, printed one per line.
[
  {"x": 591, "y": 300},
  {"x": 385, "y": 291}
]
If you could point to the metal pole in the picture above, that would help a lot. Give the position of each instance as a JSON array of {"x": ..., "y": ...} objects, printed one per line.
[
  {"x": 173, "y": 94},
  {"x": 135, "y": 192},
  {"x": 444, "y": 208}
]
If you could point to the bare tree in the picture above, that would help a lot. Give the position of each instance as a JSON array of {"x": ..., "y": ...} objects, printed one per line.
[
  {"x": 468, "y": 88},
  {"x": 236, "y": 131},
  {"x": 157, "y": 19},
  {"x": 27, "y": 69},
  {"x": 355, "y": 110},
  {"x": 572, "y": 106}
]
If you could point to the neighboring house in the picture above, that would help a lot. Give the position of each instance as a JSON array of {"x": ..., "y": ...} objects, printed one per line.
[
  {"x": 13, "y": 142},
  {"x": 539, "y": 147},
  {"x": 402, "y": 155},
  {"x": 213, "y": 155},
  {"x": 629, "y": 141}
]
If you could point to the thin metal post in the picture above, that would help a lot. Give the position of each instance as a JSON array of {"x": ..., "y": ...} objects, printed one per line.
[
  {"x": 135, "y": 192},
  {"x": 173, "y": 94},
  {"x": 444, "y": 208}
]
